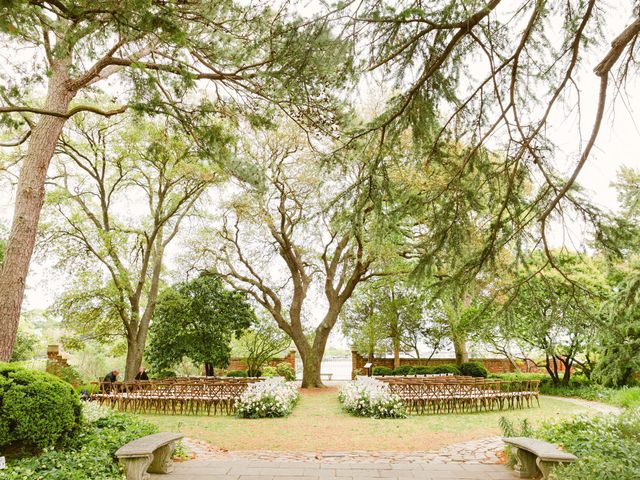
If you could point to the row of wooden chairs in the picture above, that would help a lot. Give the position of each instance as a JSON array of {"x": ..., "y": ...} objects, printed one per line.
[
  {"x": 195, "y": 397},
  {"x": 465, "y": 395}
]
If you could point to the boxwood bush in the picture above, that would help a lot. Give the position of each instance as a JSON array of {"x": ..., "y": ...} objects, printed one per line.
[
  {"x": 380, "y": 370},
  {"x": 89, "y": 457},
  {"x": 37, "y": 410},
  {"x": 422, "y": 370},
  {"x": 447, "y": 368},
  {"x": 473, "y": 369},
  {"x": 237, "y": 373},
  {"x": 403, "y": 370}
]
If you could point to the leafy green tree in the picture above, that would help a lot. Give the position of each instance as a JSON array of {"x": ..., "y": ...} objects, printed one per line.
[
  {"x": 263, "y": 342},
  {"x": 115, "y": 250},
  {"x": 388, "y": 315},
  {"x": 25, "y": 346},
  {"x": 620, "y": 336},
  {"x": 191, "y": 61},
  {"x": 557, "y": 312},
  {"x": 197, "y": 319},
  {"x": 619, "y": 340}
]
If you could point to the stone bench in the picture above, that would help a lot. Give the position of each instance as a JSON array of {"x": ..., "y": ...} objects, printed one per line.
[
  {"x": 327, "y": 376},
  {"x": 537, "y": 456},
  {"x": 148, "y": 454}
]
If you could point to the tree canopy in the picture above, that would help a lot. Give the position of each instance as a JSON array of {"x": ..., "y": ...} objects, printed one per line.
[{"x": 197, "y": 319}]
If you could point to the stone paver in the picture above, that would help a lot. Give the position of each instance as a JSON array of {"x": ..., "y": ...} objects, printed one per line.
[
  {"x": 483, "y": 451},
  {"x": 322, "y": 470},
  {"x": 474, "y": 460}
]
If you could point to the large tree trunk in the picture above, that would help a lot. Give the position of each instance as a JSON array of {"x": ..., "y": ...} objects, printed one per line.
[
  {"x": 312, "y": 357},
  {"x": 29, "y": 199},
  {"x": 137, "y": 337},
  {"x": 134, "y": 359},
  {"x": 460, "y": 348},
  {"x": 311, "y": 370}
]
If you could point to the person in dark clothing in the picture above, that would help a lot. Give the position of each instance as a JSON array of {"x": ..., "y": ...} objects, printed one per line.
[
  {"x": 142, "y": 374},
  {"x": 109, "y": 378}
]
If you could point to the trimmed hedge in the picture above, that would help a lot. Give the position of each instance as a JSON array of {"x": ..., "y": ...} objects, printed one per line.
[
  {"x": 422, "y": 370},
  {"x": 237, "y": 373},
  {"x": 473, "y": 369},
  {"x": 447, "y": 368},
  {"x": 37, "y": 410},
  {"x": 384, "y": 371},
  {"x": 403, "y": 370}
]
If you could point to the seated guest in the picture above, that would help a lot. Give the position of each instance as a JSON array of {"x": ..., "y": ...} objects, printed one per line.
[
  {"x": 109, "y": 378},
  {"x": 142, "y": 374}
]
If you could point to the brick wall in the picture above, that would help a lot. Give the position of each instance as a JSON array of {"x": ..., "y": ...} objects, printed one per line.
[
  {"x": 54, "y": 357},
  {"x": 240, "y": 363},
  {"x": 493, "y": 365}
]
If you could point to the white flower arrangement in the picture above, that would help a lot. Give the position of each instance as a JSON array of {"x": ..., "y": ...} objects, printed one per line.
[
  {"x": 273, "y": 397},
  {"x": 368, "y": 397}
]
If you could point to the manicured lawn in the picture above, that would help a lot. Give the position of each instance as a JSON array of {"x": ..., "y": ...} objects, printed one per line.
[{"x": 318, "y": 424}]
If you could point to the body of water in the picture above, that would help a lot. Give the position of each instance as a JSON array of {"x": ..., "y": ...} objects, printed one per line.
[{"x": 339, "y": 367}]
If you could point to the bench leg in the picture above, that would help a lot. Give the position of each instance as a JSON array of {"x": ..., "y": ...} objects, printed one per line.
[
  {"x": 136, "y": 468},
  {"x": 526, "y": 467},
  {"x": 162, "y": 462},
  {"x": 546, "y": 467}
]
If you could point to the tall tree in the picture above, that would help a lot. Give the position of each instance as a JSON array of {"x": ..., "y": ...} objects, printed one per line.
[
  {"x": 286, "y": 233},
  {"x": 492, "y": 74},
  {"x": 389, "y": 315},
  {"x": 557, "y": 313},
  {"x": 116, "y": 248},
  {"x": 150, "y": 56},
  {"x": 619, "y": 240},
  {"x": 198, "y": 320}
]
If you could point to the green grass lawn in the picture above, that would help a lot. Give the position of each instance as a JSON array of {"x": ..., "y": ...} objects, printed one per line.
[{"x": 318, "y": 424}]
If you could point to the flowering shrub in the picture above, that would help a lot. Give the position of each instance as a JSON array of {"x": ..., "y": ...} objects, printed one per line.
[
  {"x": 92, "y": 411},
  {"x": 272, "y": 397},
  {"x": 368, "y": 397}
]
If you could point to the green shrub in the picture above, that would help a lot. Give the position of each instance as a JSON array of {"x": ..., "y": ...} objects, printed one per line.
[
  {"x": 160, "y": 374},
  {"x": 384, "y": 371},
  {"x": 514, "y": 376},
  {"x": 626, "y": 397},
  {"x": 447, "y": 368},
  {"x": 67, "y": 373},
  {"x": 253, "y": 373},
  {"x": 285, "y": 370},
  {"x": 92, "y": 456},
  {"x": 269, "y": 371},
  {"x": 473, "y": 369},
  {"x": 422, "y": 370},
  {"x": 37, "y": 410},
  {"x": 237, "y": 373},
  {"x": 607, "y": 446},
  {"x": 403, "y": 370}
]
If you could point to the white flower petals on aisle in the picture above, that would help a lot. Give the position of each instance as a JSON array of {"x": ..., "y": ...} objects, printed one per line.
[
  {"x": 368, "y": 397},
  {"x": 272, "y": 397}
]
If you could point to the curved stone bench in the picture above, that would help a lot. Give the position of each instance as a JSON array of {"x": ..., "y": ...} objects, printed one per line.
[
  {"x": 534, "y": 455},
  {"x": 148, "y": 454}
]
